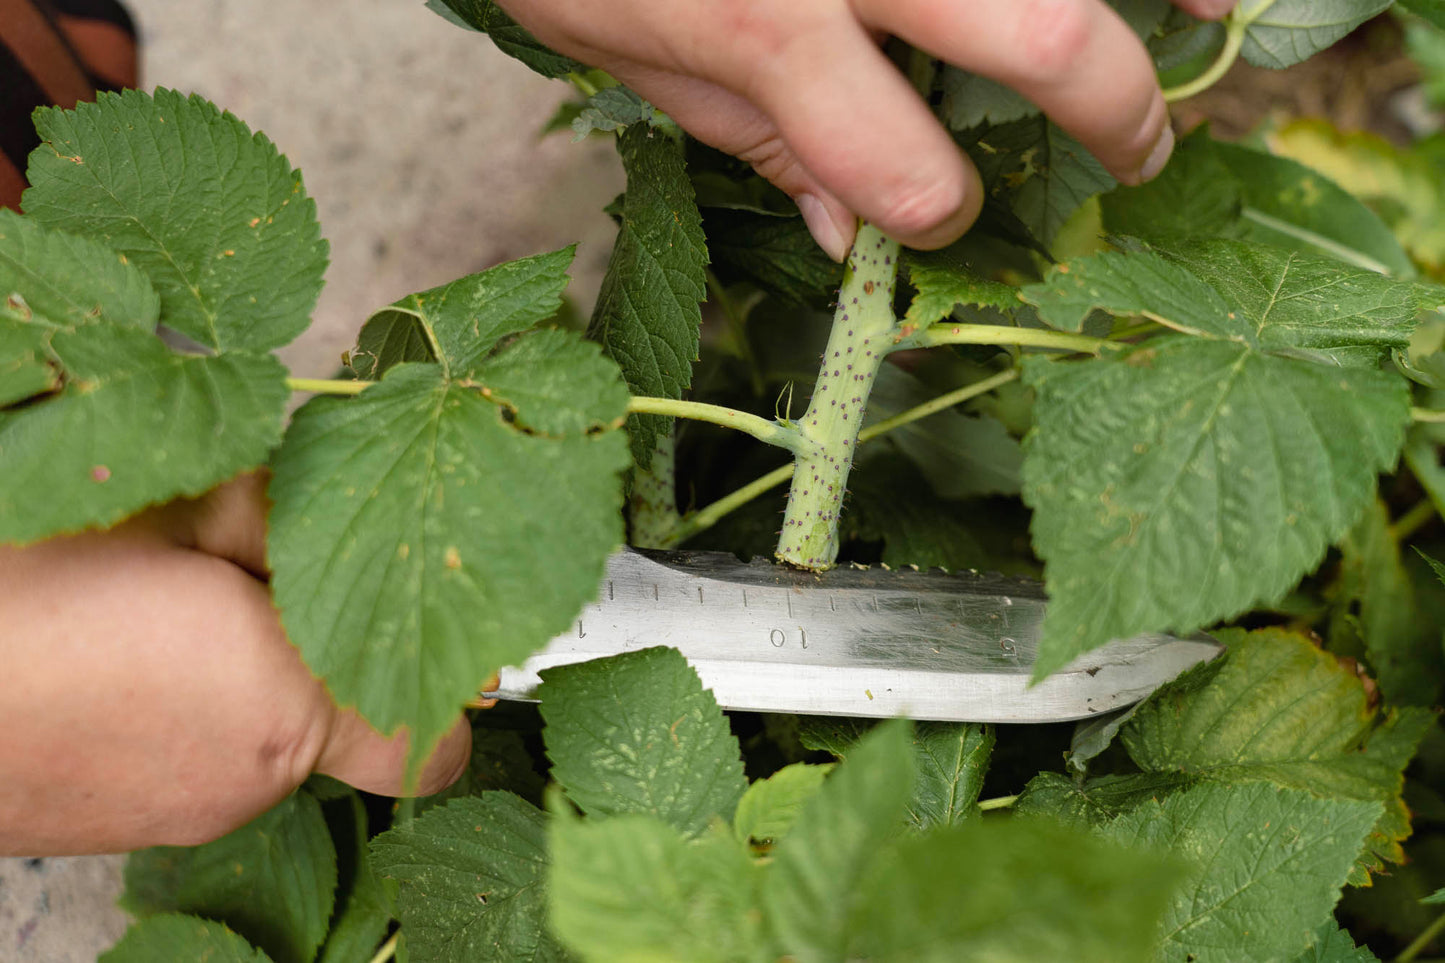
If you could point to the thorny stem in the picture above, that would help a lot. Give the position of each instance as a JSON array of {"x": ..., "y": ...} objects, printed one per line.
[
  {"x": 771, "y": 432},
  {"x": 863, "y": 333},
  {"x": 1001, "y": 802},
  {"x": 1423, "y": 940},
  {"x": 707, "y": 517},
  {"x": 940, "y": 334},
  {"x": 1236, "y": 25}
]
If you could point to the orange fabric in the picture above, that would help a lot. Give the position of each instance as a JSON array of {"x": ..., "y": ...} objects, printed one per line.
[
  {"x": 12, "y": 182},
  {"x": 107, "y": 51},
  {"x": 43, "y": 53}
]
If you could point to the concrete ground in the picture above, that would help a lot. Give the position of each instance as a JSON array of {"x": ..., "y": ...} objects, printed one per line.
[{"x": 419, "y": 142}]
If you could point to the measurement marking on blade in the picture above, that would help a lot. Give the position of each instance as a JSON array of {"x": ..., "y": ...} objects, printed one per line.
[
  {"x": 789, "y": 598},
  {"x": 699, "y": 595},
  {"x": 610, "y": 595},
  {"x": 655, "y": 597},
  {"x": 832, "y": 604},
  {"x": 580, "y": 633},
  {"x": 745, "y": 598},
  {"x": 917, "y": 606}
]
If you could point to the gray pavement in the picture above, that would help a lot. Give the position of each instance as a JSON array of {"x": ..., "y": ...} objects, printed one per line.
[{"x": 419, "y": 143}]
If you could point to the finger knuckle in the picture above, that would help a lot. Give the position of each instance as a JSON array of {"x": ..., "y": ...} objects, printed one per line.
[{"x": 1054, "y": 37}]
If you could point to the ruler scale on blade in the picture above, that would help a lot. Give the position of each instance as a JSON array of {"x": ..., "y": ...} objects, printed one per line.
[{"x": 856, "y": 642}]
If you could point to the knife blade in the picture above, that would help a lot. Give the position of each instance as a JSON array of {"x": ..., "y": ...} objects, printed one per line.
[{"x": 852, "y": 641}]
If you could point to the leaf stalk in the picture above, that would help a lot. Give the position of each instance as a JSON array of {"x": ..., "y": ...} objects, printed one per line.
[
  {"x": 996, "y": 334},
  {"x": 1236, "y": 25},
  {"x": 328, "y": 386},
  {"x": 771, "y": 432}
]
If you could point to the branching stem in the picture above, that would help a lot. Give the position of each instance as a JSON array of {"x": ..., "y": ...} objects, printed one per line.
[
  {"x": 771, "y": 432},
  {"x": 328, "y": 386},
  {"x": 864, "y": 332},
  {"x": 940, "y": 334},
  {"x": 1236, "y": 25},
  {"x": 707, "y": 517}
]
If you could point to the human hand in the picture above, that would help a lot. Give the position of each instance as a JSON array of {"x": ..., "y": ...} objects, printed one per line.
[
  {"x": 801, "y": 91},
  {"x": 150, "y": 695}
]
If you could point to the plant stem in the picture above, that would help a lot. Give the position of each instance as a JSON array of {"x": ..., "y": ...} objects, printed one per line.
[
  {"x": 940, "y": 334},
  {"x": 707, "y": 517},
  {"x": 1427, "y": 415},
  {"x": 388, "y": 949},
  {"x": 938, "y": 404},
  {"x": 1001, "y": 802},
  {"x": 1423, "y": 940},
  {"x": 863, "y": 333},
  {"x": 771, "y": 432},
  {"x": 328, "y": 386},
  {"x": 652, "y": 505},
  {"x": 1412, "y": 521},
  {"x": 1236, "y": 25}
]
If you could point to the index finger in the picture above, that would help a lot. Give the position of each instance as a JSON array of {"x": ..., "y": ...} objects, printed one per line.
[{"x": 1077, "y": 60}]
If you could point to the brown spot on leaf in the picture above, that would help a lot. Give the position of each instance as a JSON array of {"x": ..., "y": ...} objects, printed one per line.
[{"x": 452, "y": 558}]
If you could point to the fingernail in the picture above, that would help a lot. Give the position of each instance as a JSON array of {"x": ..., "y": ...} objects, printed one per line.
[
  {"x": 1159, "y": 156},
  {"x": 821, "y": 226},
  {"x": 1216, "y": 8}
]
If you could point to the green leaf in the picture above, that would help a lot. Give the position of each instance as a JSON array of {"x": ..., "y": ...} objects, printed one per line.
[
  {"x": 172, "y": 936},
  {"x": 272, "y": 880},
  {"x": 1435, "y": 566},
  {"x": 210, "y": 211},
  {"x": 637, "y": 733},
  {"x": 431, "y": 530},
  {"x": 961, "y": 455},
  {"x": 632, "y": 889},
  {"x": 1377, "y": 600},
  {"x": 500, "y": 760},
  {"x": 1268, "y": 865},
  {"x": 647, "y": 317},
  {"x": 1039, "y": 171},
  {"x": 970, "y": 100},
  {"x": 141, "y": 423},
  {"x": 457, "y": 324},
  {"x": 952, "y": 761},
  {"x": 613, "y": 108},
  {"x": 771, "y": 806},
  {"x": 1281, "y": 710},
  {"x": 1010, "y": 892},
  {"x": 1289, "y": 31},
  {"x": 943, "y": 281},
  {"x": 1435, "y": 898},
  {"x": 363, "y": 909},
  {"x": 775, "y": 253},
  {"x": 472, "y": 878},
  {"x": 922, "y": 529},
  {"x": 1237, "y": 460},
  {"x": 1334, "y": 945},
  {"x": 510, "y": 37},
  {"x": 1226, "y": 190},
  {"x": 1290, "y": 205},
  {"x": 815, "y": 883},
  {"x": 72, "y": 280},
  {"x": 1095, "y": 801}
]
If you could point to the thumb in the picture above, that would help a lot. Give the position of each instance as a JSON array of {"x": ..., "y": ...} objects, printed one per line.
[{"x": 360, "y": 756}]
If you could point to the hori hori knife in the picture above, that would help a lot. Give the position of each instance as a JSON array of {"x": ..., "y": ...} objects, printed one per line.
[{"x": 853, "y": 642}]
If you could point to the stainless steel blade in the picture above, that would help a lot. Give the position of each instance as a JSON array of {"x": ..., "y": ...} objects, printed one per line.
[{"x": 856, "y": 642}]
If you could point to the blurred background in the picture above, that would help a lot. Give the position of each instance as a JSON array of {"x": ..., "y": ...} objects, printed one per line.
[{"x": 421, "y": 146}]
